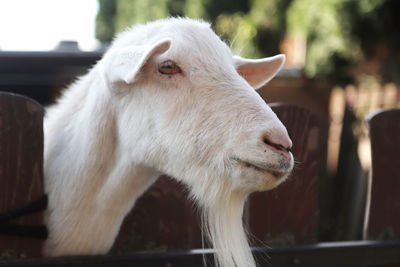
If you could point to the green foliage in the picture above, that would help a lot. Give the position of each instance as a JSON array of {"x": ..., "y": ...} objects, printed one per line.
[
  {"x": 215, "y": 8},
  {"x": 321, "y": 23},
  {"x": 339, "y": 33},
  {"x": 343, "y": 32},
  {"x": 238, "y": 30},
  {"x": 195, "y": 9},
  {"x": 130, "y": 12},
  {"x": 105, "y": 26},
  {"x": 376, "y": 26},
  {"x": 257, "y": 32},
  {"x": 175, "y": 7}
]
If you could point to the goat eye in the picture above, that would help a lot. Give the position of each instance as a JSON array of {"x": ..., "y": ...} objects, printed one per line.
[{"x": 169, "y": 68}]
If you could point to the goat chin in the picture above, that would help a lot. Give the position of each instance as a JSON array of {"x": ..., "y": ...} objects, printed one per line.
[{"x": 223, "y": 226}]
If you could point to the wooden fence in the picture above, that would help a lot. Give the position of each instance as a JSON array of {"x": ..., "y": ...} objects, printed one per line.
[
  {"x": 384, "y": 208},
  {"x": 21, "y": 175},
  {"x": 163, "y": 220}
]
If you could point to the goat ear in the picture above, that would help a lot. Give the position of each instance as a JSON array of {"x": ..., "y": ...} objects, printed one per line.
[
  {"x": 124, "y": 64},
  {"x": 257, "y": 72}
]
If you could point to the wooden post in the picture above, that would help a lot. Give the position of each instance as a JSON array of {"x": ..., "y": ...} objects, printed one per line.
[
  {"x": 384, "y": 213},
  {"x": 21, "y": 171}
]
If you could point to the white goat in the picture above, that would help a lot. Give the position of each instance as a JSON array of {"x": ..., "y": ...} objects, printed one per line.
[{"x": 167, "y": 98}]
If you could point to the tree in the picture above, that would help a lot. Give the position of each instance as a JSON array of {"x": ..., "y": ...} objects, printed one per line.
[
  {"x": 105, "y": 20},
  {"x": 341, "y": 35}
]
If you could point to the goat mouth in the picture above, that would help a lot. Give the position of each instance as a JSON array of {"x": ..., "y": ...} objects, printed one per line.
[{"x": 260, "y": 168}]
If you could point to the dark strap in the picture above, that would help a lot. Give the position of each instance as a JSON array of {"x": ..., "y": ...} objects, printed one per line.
[
  {"x": 7, "y": 228},
  {"x": 38, "y": 232}
]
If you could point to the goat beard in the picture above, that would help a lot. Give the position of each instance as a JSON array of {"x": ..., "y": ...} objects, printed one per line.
[{"x": 222, "y": 212}]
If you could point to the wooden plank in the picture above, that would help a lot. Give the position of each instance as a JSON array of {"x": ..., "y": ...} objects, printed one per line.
[
  {"x": 332, "y": 254},
  {"x": 289, "y": 214},
  {"x": 384, "y": 217},
  {"x": 21, "y": 174}
]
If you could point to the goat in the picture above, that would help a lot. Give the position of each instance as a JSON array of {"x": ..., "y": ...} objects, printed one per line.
[{"x": 168, "y": 97}]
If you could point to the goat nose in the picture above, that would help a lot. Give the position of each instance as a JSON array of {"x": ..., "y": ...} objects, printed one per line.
[{"x": 279, "y": 142}]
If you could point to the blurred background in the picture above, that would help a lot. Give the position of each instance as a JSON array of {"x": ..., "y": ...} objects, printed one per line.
[{"x": 343, "y": 62}]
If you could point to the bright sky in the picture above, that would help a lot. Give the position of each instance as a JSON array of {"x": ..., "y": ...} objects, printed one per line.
[{"x": 41, "y": 24}]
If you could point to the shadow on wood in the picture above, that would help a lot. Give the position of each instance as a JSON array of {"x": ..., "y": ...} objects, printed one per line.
[
  {"x": 21, "y": 173},
  {"x": 384, "y": 217}
]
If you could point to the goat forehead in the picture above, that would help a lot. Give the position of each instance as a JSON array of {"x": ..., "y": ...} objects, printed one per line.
[
  {"x": 199, "y": 62},
  {"x": 202, "y": 51},
  {"x": 209, "y": 49}
]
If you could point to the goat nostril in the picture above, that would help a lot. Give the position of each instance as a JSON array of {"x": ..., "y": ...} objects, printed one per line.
[
  {"x": 277, "y": 146},
  {"x": 280, "y": 147}
]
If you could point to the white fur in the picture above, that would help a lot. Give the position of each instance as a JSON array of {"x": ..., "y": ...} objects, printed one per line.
[{"x": 121, "y": 126}]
